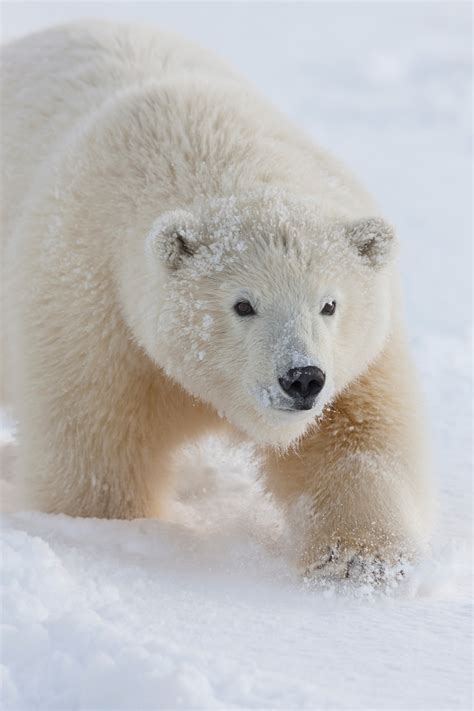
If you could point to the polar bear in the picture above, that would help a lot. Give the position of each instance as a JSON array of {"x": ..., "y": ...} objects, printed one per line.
[{"x": 181, "y": 259}]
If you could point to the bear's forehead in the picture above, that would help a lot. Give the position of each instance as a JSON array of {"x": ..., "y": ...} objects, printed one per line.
[
  {"x": 259, "y": 214},
  {"x": 269, "y": 236},
  {"x": 281, "y": 227},
  {"x": 276, "y": 258}
]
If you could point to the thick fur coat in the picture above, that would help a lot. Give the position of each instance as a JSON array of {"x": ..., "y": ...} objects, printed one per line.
[{"x": 149, "y": 192}]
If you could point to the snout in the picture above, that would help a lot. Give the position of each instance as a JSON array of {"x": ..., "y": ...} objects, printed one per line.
[{"x": 303, "y": 385}]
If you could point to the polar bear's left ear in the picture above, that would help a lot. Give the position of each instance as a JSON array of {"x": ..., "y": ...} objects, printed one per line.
[
  {"x": 374, "y": 240},
  {"x": 173, "y": 238}
]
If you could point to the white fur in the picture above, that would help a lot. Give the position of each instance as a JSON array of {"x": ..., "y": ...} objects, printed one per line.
[{"x": 147, "y": 188}]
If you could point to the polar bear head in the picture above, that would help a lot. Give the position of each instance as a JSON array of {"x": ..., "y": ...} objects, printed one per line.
[{"x": 264, "y": 309}]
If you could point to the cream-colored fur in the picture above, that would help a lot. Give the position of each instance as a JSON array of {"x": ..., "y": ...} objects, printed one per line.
[{"x": 146, "y": 189}]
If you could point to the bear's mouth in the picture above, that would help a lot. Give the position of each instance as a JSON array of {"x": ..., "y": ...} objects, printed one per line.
[
  {"x": 276, "y": 401},
  {"x": 300, "y": 410}
]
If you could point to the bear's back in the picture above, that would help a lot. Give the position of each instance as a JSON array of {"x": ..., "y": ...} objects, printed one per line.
[
  {"x": 52, "y": 80},
  {"x": 56, "y": 85}
]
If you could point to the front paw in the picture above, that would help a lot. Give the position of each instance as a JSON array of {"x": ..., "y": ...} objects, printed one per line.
[{"x": 348, "y": 564}]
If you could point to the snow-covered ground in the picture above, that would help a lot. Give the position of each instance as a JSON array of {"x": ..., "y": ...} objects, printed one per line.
[{"x": 207, "y": 611}]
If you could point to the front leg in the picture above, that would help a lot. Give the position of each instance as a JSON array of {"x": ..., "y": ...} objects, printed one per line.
[{"x": 361, "y": 472}]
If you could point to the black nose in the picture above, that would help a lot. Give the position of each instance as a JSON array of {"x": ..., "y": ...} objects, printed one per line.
[{"x": 303, "y": 385}]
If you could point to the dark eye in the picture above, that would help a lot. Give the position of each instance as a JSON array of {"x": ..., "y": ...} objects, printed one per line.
[
  {"x": 244, "y": 308},
  {"x": 328, "y": 308}
]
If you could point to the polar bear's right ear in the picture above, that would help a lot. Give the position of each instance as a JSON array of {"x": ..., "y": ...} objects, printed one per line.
[
  {"x": 374, "y": 240},
  {"x": 173, "y": 238}
]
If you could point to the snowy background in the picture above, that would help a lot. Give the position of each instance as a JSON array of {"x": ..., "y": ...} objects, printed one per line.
[{"x": 206, "y": 611}]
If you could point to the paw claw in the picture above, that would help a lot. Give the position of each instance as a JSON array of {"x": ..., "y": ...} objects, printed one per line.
[{"x": 357, "y": 567}]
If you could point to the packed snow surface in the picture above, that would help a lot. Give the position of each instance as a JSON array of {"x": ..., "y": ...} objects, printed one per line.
[{"x": 206, "y": 610}]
